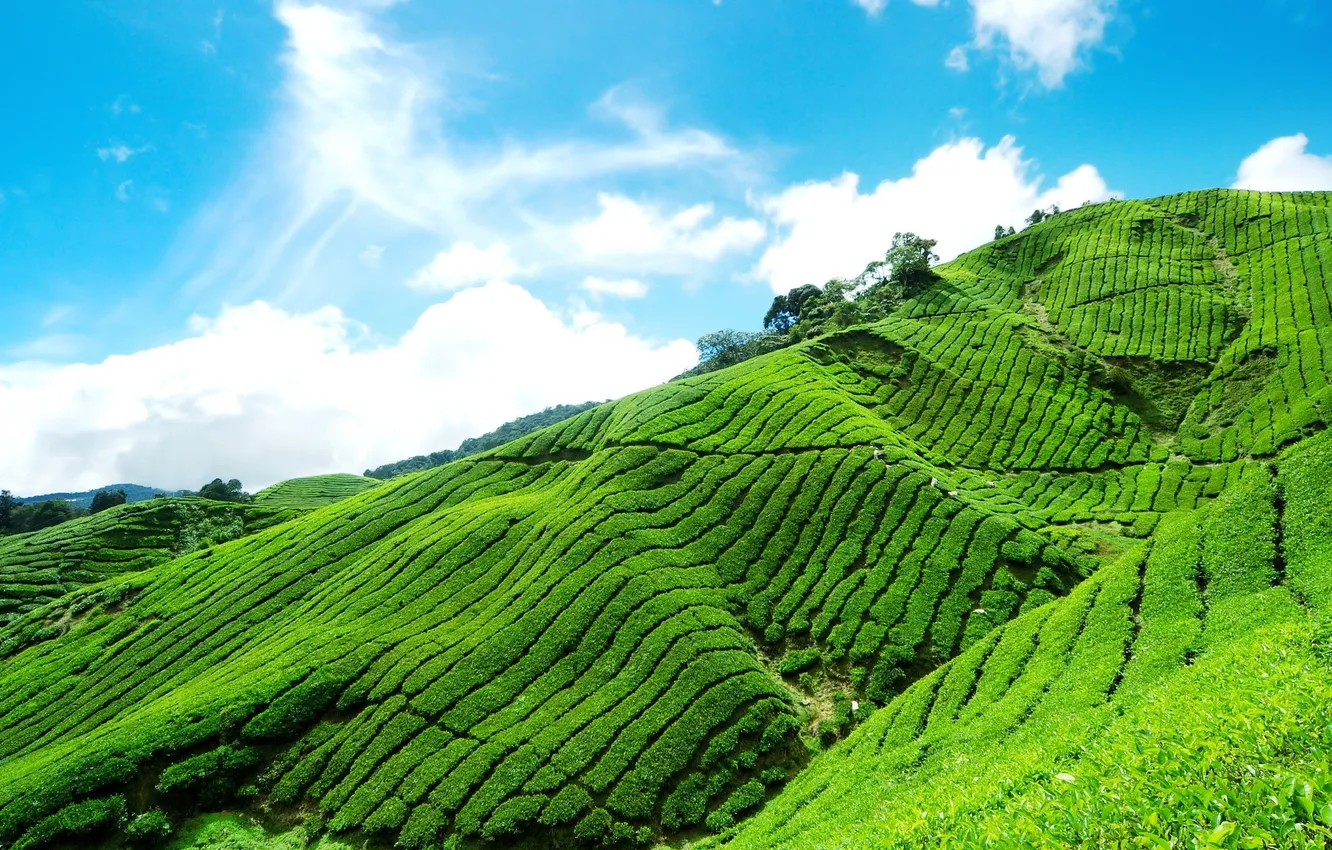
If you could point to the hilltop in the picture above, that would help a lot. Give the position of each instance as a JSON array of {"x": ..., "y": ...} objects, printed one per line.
[{"x": 990, "y": 571}]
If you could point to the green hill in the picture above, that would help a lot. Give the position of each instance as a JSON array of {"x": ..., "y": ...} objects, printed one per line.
[
  {"x": 42, "y": 566},
  {"x": 1039, "y": 560},
  {"x": 317, "y": 491}
]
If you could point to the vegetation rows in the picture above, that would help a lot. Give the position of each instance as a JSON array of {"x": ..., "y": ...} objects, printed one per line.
[{"x": 992, "y": 540}]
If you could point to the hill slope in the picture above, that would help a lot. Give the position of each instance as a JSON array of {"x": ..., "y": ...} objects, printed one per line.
[
  {"x": 316, "y": 491},
  {"x": 640, "y": 621}
]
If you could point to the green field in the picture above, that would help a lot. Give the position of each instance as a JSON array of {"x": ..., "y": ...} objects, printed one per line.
[
  {"x": 1042, "y": 559},
  {"x": 317, "y": 491}
]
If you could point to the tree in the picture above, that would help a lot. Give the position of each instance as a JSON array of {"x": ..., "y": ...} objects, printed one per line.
[
  {"x": 1011, "y": 231},
  {"x": 908, "y": 263},
  {"x": 8, "y": 504},
  {"x": 104, "y": 499},
  {"x": 999, "y": 232},
  {"x": 230, "y": 491},
  {"x": 49, "y": 513},
  {"x": 787, "y": 310},
  {"x": 1036, "y": 217}
]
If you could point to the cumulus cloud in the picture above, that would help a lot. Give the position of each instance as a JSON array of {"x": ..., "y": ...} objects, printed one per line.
[
  {"x": 956, "y": 195},
  {"x": 262, "y": 394},
  {"x": 629, "y": 234},
  {"x": 464, "y": 264},
  {"x": 620, "y": 288},
  {"x": 1048, "y": 36},
  {"x": 1285, "y": 165}
]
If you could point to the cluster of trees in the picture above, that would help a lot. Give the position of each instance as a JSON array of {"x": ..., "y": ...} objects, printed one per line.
[
  {"x": 808, "y": 311},
  {"x": 507, "y": 432},
  {"x": 1036, "y": 217},
  {"x": 19, "y": 517},
  {"x": 219, "y": 491}
]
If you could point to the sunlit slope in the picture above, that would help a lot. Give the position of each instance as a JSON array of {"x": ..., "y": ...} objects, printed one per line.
[
  {"x": 1180, "y": 695},
  {"x": 636, "y": 621},
  {"x": 316, "y": 491},
  {"x": 39, "y": 567}
]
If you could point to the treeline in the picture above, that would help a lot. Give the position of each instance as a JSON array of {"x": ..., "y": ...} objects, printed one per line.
[
  {"x": 507, "y": 432},
  {"x": 809, "y": 311},
  {"x": 20, "y": 517}
]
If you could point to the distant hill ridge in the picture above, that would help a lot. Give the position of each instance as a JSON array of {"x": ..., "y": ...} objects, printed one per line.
[
  {"x": 83, "y": 499},
  {"x": 511, "y": 430},
  {"x": 1042, "y": 559}
]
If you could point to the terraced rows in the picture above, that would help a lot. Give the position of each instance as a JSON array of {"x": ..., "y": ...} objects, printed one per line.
[
  {"x": 634, "y": 623},
  {"x": 563, "y": 648},
  {"x": 40, "y": 567},
  {"x": 1209, "y": 586},
  {"x": 306, "y": 494}
]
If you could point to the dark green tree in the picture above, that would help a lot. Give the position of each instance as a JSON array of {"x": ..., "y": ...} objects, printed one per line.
[
  {"x": 999, "y": 232},
  {"x": 228, "y": 491},
  {"x": 8, "y": 504},
  {"x": 49, "y": 513},
  {"x": 1036, "y": 217},
  {"x": 105, "y": 499},
  {"x": 789, "y": 309}
]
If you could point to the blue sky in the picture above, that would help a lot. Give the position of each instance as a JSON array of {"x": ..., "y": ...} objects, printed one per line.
[{"x": 312, "y": 236}]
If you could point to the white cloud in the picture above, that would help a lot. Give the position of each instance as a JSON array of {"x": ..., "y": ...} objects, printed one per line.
[
  {"x": 1285, "y": 165},
  {"x": 1049, "y": 36},
  {"x": 120, "y": 153},
  {"x": 372, "y": 254},
  {"x": 957, "y": 60},
  {"x": 263, "y": 395},
  {"x": 366, "y": 148},
  {"x": 123, "y": 190},
  {"x": 619, "y": 288},
  {"x": 956, "y": 195},
  {"x": 629, "y": 234},
  {"x": 464, "y": 264}
]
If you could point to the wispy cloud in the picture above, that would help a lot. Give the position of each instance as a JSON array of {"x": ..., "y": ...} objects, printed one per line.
[
  {"x": 123, "y": 190},
  {"x": 120, "y": 153},
  {"x": 122, "y": 105},
  {"x": 365, "y": 141}
]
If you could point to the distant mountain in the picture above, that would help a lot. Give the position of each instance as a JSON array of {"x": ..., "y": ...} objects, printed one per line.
[{"x": 133, "y": 493}]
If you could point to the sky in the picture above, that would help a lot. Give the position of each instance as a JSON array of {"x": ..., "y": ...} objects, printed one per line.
[{"x": 271, "y": 238}]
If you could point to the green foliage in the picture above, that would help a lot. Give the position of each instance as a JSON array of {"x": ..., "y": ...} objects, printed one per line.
[
  {"x": 106, "y": 499},
  {"x": 994, "y": 519},
  {"x": 219, "y": 491}
]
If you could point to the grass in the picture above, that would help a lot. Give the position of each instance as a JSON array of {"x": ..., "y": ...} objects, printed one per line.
[{"x": 975, "y": 574}]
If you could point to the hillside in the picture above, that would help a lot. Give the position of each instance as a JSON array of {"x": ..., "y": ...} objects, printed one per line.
[
  {"x": 945, "y": 578},
  {"x": 39, "y": 567},
  {"x": 317, "y": 491}
]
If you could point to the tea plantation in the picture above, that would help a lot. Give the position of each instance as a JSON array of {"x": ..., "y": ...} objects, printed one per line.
[
  {"x": 304, "y": 494},
  {"x": 1042, "y": 559}
]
